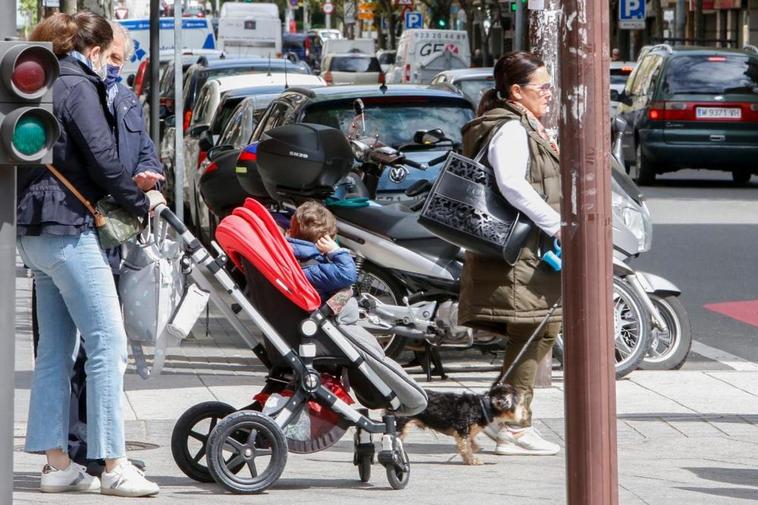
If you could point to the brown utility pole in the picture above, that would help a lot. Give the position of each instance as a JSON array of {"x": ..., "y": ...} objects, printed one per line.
[
  {"x": 590, "y": 399},
  {"x": 544, "y": 32}
]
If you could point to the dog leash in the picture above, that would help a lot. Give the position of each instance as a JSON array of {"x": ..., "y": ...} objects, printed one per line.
[{"x": 537, "y": 331}]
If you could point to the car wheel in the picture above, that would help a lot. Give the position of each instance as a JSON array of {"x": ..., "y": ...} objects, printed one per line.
[
  {"x": 645, "y": 169},
  {"x": 741, "y": 177}
]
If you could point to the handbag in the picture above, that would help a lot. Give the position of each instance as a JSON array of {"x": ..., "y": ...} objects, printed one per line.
[
  {"x": 159, "y": 306},
  {"x": 465, "y": 207},
  {"x": 115, "y": 225}
]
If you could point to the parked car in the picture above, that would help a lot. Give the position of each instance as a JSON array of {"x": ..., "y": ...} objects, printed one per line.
[
  {"x": 200, "y": 135},
  {"x": 394, "y": 115},
  {"x": 472, "y": 82},
  {"x": 620, "y": 72},
  {"x": 351, "y": 68},
  {"x": 692, "y": 108},
  {"x": 386, "y": 59}
]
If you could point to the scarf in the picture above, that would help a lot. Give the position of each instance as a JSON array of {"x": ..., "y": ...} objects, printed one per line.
[{"x": 537, "y": 123}]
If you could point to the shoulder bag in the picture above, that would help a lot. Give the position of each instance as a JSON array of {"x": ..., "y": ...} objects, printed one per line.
[
  {"x": 115, "y": 225},
  {"x": 465, "y": 207}
]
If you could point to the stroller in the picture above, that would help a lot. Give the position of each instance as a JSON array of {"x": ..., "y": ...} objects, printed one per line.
[{"x": 314, "y": 358}]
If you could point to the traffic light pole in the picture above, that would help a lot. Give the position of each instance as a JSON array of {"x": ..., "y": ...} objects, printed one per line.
[
  {"x": 7, "y": 297},
  {"x": 179, "y": 113},
  {"x": 590, "y": 385}
]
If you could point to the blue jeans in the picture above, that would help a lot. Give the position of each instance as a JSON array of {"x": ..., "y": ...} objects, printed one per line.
[{"x": 75, "y": 290}]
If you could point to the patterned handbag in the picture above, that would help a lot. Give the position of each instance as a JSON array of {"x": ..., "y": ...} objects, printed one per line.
[{"x": 465, "y": 207}]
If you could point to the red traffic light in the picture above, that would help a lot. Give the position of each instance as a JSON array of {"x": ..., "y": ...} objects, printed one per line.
[
  {"x": 29, "y": 71},
  {"x": 29, "y": 74}
]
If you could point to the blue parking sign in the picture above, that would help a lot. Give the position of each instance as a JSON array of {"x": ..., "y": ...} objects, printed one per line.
[
  {"x": 632, "y": 14},
  {"x": 413, "y": 20}
]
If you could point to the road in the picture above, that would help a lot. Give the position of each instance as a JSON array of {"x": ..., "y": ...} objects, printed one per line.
[{"x": 704, "y": 241}]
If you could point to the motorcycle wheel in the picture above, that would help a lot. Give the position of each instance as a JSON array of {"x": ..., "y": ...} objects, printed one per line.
[
  {"x": 631, "y": 328},
  {"x": 668, "y": 350},
  {"x": 377, "y": 282}
]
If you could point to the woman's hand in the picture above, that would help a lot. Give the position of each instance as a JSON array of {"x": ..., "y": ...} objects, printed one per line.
[
  {"x": 147, "y": 180},
  {"x": 326, "y": 245}
]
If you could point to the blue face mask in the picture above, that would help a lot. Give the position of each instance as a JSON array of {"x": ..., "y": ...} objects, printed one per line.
[{"x": 112, "y": 75}]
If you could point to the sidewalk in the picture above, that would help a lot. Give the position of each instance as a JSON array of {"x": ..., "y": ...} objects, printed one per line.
[{"x": 686, "y": 437}]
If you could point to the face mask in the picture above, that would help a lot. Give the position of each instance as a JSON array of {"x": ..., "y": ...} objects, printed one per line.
[
  {"x": 100, "y": 70},
  {"x": 112, "y": 75}
]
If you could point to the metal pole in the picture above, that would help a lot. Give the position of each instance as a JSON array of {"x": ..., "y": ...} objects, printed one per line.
[
  {"x": 7, "y": 297},
  {"x": 590, "y": 385},
  {"x": 306, "y": 17},
  {"x": 155, "y": 49},
  {"x": 518, "y": 32},
  {"x": 179, "y": 113}
]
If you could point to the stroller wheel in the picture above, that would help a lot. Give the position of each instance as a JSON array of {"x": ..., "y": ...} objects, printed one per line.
[
  {"x": 250, "y": 439},
  {"x": 189, "y": 440},
  {"x": 397, "y": 465},
  {"x": 363, "y": 458}
]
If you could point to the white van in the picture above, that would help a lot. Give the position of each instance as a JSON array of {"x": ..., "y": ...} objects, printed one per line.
[
  {"x": 197, "y": 33},
  {"x": 422, "y": 54},
  {"x": 250, "y": 29}
]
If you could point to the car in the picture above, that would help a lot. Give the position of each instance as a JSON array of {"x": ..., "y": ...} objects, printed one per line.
[
  {"x": 422, "y": 54},
  {"x": 620, "y": 71},
  {"x": 351, "y": 68},
  {"x": 690, "y": 107},
  {"x": 386, "y": 59},
  {"x": 394, "y": 115},
  {"x": 472, "y": 82},
  {"x": 200, "y": 135}
]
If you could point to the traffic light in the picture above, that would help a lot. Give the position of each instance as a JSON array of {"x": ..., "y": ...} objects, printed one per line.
[
  {"x": 28, "y": 128},
  {"x": 442, "y": 23}
]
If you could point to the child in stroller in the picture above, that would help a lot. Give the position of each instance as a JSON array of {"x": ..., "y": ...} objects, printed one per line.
[
  {"x": 313, "y": 360},
  {"x": 327, "y": 266}
]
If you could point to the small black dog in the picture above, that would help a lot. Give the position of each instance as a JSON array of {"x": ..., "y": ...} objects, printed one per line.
[{"x": 463, "y": 416}]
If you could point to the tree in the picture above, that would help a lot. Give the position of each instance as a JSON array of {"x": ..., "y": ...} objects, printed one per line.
[
  {"x": 29, "y": 10},
  {"x": 439, "y": 12},
  {"x": 699, "y": 22}
]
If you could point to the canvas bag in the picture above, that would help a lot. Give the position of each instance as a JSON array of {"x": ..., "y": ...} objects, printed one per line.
[{"x": 159, "y": 307}]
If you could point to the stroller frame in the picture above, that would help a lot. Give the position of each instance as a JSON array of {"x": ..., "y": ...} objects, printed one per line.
[{"x": 209, "y": 272}]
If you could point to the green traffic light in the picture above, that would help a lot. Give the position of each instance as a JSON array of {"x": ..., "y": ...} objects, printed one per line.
[{"x": 29, "y": 136}]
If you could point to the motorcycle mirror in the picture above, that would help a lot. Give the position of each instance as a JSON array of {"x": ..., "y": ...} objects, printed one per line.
[
  {"x": 358, "y": 106},
  {"x": 215, "y": 152},
  {"x": 618, "y": 125},
  {"x": 418, "y": 137},
  {"x": 429, "y": 136}
]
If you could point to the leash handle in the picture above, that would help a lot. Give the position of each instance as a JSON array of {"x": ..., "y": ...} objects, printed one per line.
[{"x": 537, "y": 331}]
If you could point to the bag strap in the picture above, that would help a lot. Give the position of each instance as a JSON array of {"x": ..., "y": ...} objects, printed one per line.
[{"x": 99, "y": 218}]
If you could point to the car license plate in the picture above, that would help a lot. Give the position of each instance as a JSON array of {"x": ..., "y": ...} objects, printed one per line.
[
  {"x": 249, "y": 24},
  {"x": 718, "y": 113}
]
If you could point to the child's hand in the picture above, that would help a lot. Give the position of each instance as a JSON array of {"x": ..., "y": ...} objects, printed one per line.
[{"x": 326, "y": 245}]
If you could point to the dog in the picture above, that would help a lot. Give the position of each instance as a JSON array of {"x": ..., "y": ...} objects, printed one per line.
[{"x": 463, "y": 416}]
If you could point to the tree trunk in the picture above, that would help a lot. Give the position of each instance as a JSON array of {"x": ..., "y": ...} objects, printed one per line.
[
  {"x": 68, "y": 6},
  {"x": 544, "y": 36},
  {"x": 658, "y": 21}
]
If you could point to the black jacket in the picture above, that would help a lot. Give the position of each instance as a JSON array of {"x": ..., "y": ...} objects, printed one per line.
[
  {"x": 135, "y": 147},
  {"x": 85, "y": 153}
]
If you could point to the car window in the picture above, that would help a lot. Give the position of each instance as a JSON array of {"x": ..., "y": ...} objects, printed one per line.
[
  {"x": 276, "y": 115},
  {"x": 354, "y": 64},
  {"x": 223, "y": 113},
  {"x": 230, "y": 135},
  {"x": 711, "y": 74},
  {"x": 643, "y": 75},
  {"x": 473, "y": 89},
  {"x": 201, "y": 114},
  {"x": 395, "y": 122}
]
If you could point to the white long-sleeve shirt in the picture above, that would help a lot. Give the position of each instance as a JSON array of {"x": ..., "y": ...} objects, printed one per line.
[{"x": 508, "y": 155}]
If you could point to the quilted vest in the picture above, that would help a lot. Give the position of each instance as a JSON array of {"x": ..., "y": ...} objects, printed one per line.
[{"x": 493, "y": 292}]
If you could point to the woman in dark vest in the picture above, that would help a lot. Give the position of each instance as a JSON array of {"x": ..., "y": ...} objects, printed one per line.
[{"x": 495, "y": 296}]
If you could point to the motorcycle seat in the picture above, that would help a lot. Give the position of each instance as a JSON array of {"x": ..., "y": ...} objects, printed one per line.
[{"x": 393, "y": 221}]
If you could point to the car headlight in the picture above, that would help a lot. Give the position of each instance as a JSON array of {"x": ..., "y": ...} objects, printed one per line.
[{"x": 634, "y": 216}]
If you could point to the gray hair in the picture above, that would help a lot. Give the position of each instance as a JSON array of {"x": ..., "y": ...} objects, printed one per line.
[{"x": 120, "y": 31}]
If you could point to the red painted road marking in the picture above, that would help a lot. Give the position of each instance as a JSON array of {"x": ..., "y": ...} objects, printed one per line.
[{"x": 745, "y": 311}]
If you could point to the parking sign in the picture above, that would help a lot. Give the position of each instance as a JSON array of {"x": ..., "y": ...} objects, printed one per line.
[
  {"x": 413, "y": 20},
  {"x": 632, "y": 14}
]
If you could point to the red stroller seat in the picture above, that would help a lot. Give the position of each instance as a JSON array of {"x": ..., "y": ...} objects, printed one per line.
[{"x": 262, "y": 243}]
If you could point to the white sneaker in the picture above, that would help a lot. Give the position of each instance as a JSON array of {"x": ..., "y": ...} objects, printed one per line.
[
  {"x": 526, "y": 442},
  {"x": 127, "y": 480},
  {"x": 73, "y": 478}
]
